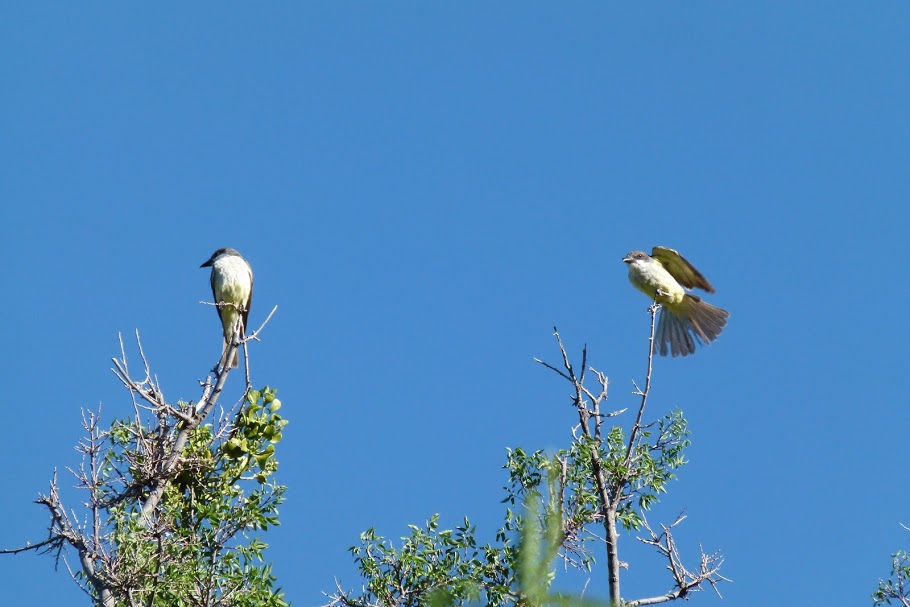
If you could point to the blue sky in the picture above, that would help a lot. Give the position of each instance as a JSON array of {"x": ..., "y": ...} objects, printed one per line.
[{"x": 424, "y": 190}]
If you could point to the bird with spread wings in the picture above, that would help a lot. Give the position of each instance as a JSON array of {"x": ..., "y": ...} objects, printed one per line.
[{"x": 685, "y": 320}]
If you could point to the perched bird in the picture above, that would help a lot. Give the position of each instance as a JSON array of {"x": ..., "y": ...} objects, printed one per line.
[
  {"x": 232, "y": 287},
  {"x": 685, "y": 319}
]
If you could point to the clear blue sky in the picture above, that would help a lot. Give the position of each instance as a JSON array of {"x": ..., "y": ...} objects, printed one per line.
[{"x": 425, "y": 189}]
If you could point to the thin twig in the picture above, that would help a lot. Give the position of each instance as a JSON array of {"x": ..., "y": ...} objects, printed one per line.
[{"x": 643, "y": 393}]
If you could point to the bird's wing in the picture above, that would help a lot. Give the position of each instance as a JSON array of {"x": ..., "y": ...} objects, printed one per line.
[
  {"x": 249, "y": 301},
  {"x": 214, "y": 294},
  {"x": 680, "y": 269}
]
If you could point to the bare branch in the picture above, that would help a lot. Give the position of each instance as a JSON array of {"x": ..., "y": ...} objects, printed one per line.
[
  {"x": 552, "y": 368},
  {"x": 686, "y": 581},
  {"x": 588, "y": 407},
  {"x": 255, "y": 334},
  {"x": 643, "y": 393}
]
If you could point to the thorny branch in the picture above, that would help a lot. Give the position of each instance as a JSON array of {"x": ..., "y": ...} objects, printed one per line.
[
  {"x": 685, "y": 581},
  {"x": 63, "y": 532},
  {"x": 588, "y": 407},
  {"x": 157, "y": 459}
]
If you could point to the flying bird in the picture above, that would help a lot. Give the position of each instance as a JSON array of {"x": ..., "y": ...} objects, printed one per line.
[
  {"x": 685, "y": 320},
  {"x": 232, "y": 287}
]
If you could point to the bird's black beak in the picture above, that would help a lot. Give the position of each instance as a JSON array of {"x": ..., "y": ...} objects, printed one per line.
[
  {"x": 627, "y": 259},
  {"x": 207, "y": 264}
]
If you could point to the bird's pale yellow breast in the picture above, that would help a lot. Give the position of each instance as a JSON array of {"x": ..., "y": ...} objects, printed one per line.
[
  {"x": 232, "y": 281},
  {"x": 651, "y": 277}
]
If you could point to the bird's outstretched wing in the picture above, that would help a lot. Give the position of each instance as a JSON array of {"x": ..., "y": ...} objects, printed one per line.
[{"x": 680, "y": 269}]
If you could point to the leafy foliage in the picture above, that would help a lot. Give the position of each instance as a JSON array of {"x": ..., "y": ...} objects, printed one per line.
[
  {"x": 896, "y": 589},
  {"x": 446, "y": 564},
  {"x": 174, "y": 505},
  {"x": 200, "y": 551},
  {"x": 553, "y": 509}
]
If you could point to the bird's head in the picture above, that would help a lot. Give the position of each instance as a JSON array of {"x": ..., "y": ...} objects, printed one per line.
[
  {"x": 635, "y": 256},
  {"x": 225, "y": 252}
]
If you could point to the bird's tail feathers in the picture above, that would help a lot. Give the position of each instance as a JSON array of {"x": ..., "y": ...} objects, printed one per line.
[
  {"x": 691, "y": 322},
  {"x": 229, "y": 324},
  {"x": 235, "y": 359}
]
